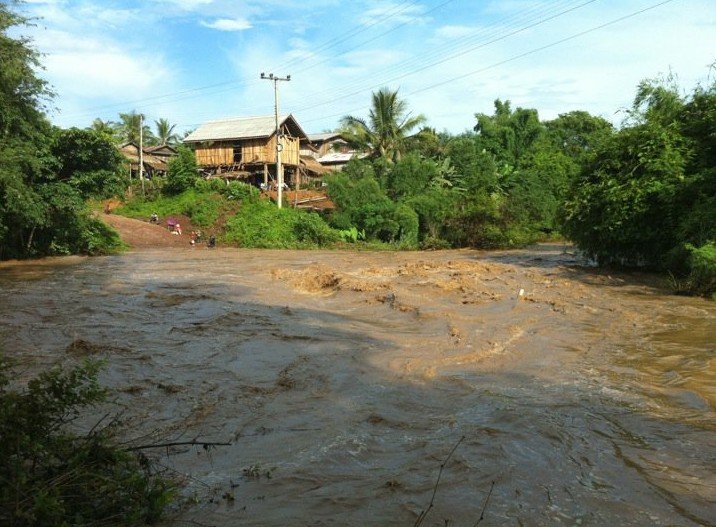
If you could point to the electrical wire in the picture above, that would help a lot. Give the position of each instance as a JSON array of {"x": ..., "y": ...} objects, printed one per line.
[
  {"x": 177, "y": 96},
  {"x": 492, "y": 34},
  {"x": 511, "y": 59}
]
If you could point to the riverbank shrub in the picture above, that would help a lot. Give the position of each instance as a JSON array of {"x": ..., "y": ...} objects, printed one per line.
[
  {"x": 182, "y": 171},
  {"x": 693, "y": 269},
  {"x": 261, "y": 224},
  {"x": 647, "y": 196},
  {"x": 50, "y": 474}
]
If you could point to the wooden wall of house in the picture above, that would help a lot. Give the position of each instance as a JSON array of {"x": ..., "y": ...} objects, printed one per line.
[
  {"x": 290, "y": 155},
  {"x": 257, "y": 151},
  {"x": 253, "y": 151},
  {"x": 219, "y": 153}
]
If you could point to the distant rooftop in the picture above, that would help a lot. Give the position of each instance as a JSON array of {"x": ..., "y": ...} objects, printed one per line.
[
  {"x": 339, "y": 157},
  {"x": 317, "y": 138}
]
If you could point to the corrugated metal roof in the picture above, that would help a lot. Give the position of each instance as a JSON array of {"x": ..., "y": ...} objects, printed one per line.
[
  {"x": 324, "y": 136},
  {"x": 338, "y": 157},
  {"x": 237, "y": 128}
]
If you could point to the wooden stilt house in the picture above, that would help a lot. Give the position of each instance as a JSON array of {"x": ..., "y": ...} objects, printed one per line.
[
  {"x": 155, "y": 159},
  {"x": 245, "y": 148}
]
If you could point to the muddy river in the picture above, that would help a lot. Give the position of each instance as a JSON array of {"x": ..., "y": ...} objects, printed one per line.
[{"x": 344, "y": 380}]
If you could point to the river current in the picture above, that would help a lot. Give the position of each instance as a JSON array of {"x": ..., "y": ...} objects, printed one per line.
[{"x": 344, "y": 380}]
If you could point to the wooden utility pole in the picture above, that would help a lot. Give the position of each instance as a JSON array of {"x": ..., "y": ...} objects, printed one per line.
[
  {"x": 279, "y": 145},
  {"x": 141, "y": 151}
]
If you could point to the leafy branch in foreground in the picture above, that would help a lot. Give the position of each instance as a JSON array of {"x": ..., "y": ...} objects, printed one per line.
[{"x": 50, "y": 475}]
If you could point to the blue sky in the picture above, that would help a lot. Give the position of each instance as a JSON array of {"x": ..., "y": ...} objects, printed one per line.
[{"x": 194, "y": 60}]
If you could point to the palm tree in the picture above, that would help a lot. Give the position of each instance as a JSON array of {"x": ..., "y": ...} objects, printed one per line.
[
  {"x": 106, "y": 129},
  {"x": 386, "y": 130},
  {"x": 128, "y": 128},
  {"x": 165, "y": 132}
]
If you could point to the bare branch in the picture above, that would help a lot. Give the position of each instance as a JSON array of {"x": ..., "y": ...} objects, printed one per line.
[
  {"x": 204, "y": 444},
  {"x": 423, "y": 514},
  {"x": 484, "y": 507}
]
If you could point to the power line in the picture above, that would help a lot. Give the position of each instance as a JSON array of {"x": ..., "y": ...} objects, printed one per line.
[
  {"x": 542, "y": 48},
  {"x": 230, "y": 85},
  {"x": 373, "y": 39},
  {"x": 464, "y": 51},
  {"x": 451, "y": 57},
  {"x": 355, "y": 31},
  {"x": 513, "y": 58},
  {"x": 495, "y": 35}
]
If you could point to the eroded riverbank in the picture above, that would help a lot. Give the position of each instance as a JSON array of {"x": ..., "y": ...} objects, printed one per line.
[{"x": 350, "y": 376}]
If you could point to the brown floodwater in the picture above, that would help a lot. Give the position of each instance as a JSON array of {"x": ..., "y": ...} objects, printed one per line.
[{"x": 343, "y": 380}]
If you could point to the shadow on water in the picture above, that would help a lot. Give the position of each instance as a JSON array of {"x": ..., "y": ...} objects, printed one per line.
[{"x": 325, "y": 432}]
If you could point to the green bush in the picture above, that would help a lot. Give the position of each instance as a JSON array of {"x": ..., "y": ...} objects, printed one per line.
[
  {"x": 407, "y": 220},
  {"x": 351, "y": 235},
  {"x": 377, "y": 220},
  {"x": 310, "y": 228},
  {"x": 98, "y": 238},
  {"x": 239, "y": 191},
  {"x": 702, "y": 269},
  {"x": 182, "y": 171},
  {"x": 262, "y": 224},
  {"x": 50, "y": 475},
  {"x": 693, "y": 269},
  {"x": 210, "y": 185}
]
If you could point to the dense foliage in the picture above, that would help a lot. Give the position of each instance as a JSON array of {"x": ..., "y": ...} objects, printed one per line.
[
  {"x": 182, "y": 171},
  {"x": 51, "y": 475},
  {"x": 46, "y": 174},
  {"x": 648, "y": 195},
  {"x": 501, "y": 185},
  {"x": 259, "y": 223}
]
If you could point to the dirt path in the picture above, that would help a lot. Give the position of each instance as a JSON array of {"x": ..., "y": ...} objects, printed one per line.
[{"x": 144, "y": 235}]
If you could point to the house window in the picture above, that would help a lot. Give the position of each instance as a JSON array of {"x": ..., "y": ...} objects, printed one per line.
[{"x": 237, "y": 153}]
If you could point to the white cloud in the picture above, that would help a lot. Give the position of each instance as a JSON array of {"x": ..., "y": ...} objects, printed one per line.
[
  {"x": 392, "y": 13},
  {"x": 187, "y": 5},
  {"x": 451, "y": 32},
  {"x": 229, "y": 24}
]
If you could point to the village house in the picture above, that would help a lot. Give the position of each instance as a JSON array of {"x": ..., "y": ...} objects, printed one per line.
[
  {"x": 245, "y": 148},
  {"x": 330, "y": 150},
  {"x": 154, "y": 158}
]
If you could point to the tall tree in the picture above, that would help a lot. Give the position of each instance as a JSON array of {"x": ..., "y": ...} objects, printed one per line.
[
  {"x": 165, "y": 132},
  {"x": 128, "y": 128},
  {"x": 41, "y": 212},
  {"x": 23, "y": 94},
  {"x": 508, "y": 134},
  {"x": 23, "y": 134},
  {"x": 384, "y": 133},
  {"x": 107, "y": 129},
  {"x": 577, "y": 133}
]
